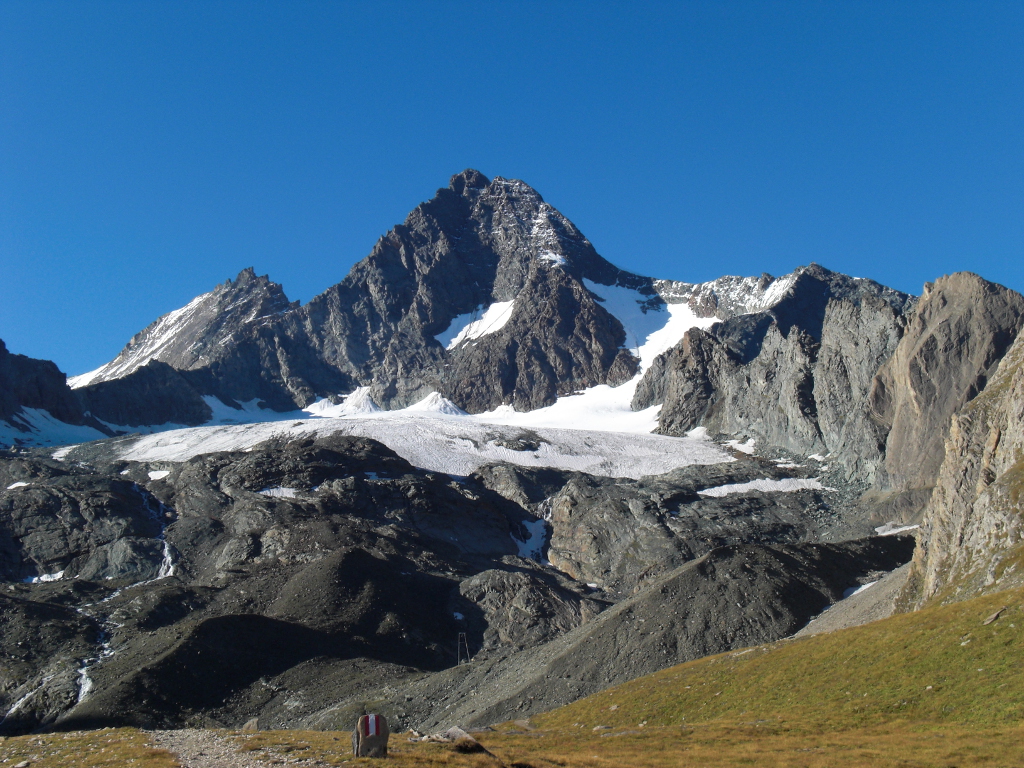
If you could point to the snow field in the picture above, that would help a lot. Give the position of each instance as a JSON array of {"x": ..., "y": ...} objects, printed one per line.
[
  {"x": 475, "y": 324},
  {"x": 786, "y": 485},
  {"x": 449, "y": 444},
  {"x": 45, "y": 430}
]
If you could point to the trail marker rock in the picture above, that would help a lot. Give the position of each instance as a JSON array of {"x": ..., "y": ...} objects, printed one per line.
[{"x": 370, "y": 737}]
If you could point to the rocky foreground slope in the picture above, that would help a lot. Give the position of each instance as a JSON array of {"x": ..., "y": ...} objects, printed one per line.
[{"x": 282, "y": 580}]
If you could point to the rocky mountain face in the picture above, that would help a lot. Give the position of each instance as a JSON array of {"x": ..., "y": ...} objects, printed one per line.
[
  {"x": 861, "y": 373},
  {"x": 477, "y": 247},
  {"x": 237, "y": 343},
  {"x": 961, "y": 329},
  {"x": 972, "y": 525},
  {"x": 37, "y": 384},
  {"x": 488, "y": 296},
  {"x": 795, "y": 375}
]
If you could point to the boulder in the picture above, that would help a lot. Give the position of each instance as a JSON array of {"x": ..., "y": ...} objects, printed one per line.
[{"x": 370, "y": 737}]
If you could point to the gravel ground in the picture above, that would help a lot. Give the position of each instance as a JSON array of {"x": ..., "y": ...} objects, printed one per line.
[{"x": 197, "y": 748}]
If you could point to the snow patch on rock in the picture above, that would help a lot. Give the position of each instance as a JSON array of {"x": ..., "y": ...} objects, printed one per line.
[
  {"x": 851, "y": 591},
  {"x": 280, "y": 493},
  {"x": 553, "y": 258},
  {"x": 434, "y": 403},
  {"x": 747, "y": 447},
  {"x": 893, "y": 529},
  {"x": 532, "y": 548},
  {"x": 475, "y": 324},
  {"x": 42, "y": 429},
  {"x": 786, "y": 485},
  {"x": 357, "y": 403}
]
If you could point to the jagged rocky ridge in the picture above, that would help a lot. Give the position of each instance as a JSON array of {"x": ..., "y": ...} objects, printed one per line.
[
  {"x": 811, "y": 342},
  {"x": 477, "y": 243}
]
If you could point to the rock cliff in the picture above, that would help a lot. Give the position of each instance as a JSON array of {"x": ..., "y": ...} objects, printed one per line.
[
  {"x": 38, "y": 384},
  {"x": 795, "y": 375},
  {"x": 960, "y": 330},
  {"x": 971, "y": 538}
]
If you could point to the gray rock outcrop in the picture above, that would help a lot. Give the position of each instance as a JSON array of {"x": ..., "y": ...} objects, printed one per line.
[
  {"x": 53, "y": 520},
  {"x": 959, "y": 332},
  {"x": 28, "y": 383},
  {"x": 972, "y": 536},
  {"x": 795, "y": 375},
  {"x": 152, "y": 394}
]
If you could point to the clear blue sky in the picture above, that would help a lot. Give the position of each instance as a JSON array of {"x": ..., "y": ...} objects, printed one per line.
[{"x": 149, "y": 150}]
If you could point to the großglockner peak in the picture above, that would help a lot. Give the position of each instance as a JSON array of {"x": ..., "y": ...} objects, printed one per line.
[{"x": 486, "y": 295}]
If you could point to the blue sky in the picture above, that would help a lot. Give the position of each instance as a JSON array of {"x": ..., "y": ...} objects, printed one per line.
[{"x": 149, "y": 150}]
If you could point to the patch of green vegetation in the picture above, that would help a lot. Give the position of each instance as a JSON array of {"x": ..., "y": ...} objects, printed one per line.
[{"x": 939, "y": 665}]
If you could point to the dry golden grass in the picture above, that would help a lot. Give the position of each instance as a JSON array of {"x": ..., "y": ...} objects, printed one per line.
[
  {"x": 106, "y": 748},
  {"x": 941, "y": 665},
  {"x": 723, "y": 745},
  {"x": 766, "y": 745}
]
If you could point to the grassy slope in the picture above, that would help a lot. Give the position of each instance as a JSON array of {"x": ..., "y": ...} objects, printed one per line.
[
  {"x": 852, "y": 699},
  {"x": 868, "y": 675}
]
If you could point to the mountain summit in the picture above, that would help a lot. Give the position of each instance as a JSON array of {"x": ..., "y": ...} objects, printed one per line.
[{"x": 486, "y": 295}]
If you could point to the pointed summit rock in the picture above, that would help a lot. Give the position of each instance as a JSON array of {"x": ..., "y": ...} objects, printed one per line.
[
  {"x": 190, "y": 337},
  {"x": 468, "y": 179},
  {"x": 475, "y": 245}
]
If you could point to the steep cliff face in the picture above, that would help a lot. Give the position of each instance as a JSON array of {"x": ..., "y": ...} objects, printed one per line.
[
  {"x": 29, "y": 383},
  {"x": 795, "y": 375},
  {"x": 971, "y": 538},
  {"x": 155, "y": 393},
  {"x": 962, "y": 327}
]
